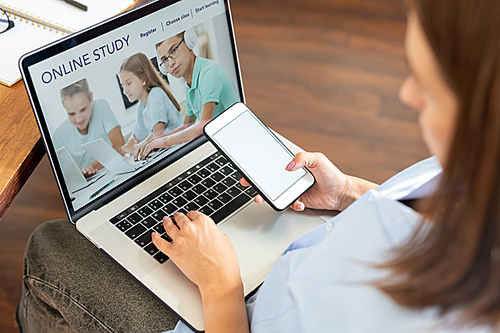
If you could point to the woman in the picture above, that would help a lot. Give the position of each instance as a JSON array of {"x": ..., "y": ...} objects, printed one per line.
[
  {"x": 385, "y": 268},
  {"x": 158, "y": 111}
]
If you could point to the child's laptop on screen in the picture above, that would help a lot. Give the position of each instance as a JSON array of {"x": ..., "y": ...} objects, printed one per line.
[{"x": 77, "y": 99}]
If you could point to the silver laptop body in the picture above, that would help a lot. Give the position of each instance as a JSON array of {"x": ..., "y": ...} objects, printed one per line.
[{"x": 259, "y": 234}]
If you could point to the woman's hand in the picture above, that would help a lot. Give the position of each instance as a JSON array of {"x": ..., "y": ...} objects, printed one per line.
[
  {"x": 207, "y": 257},
  {"x": 146, "y": 147},
  {"x": 201, "y": 251},
  {"x": 332, "y": 190}
]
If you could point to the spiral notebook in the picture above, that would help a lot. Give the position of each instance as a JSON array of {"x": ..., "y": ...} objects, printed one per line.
[{"x": 39, "y": 22}]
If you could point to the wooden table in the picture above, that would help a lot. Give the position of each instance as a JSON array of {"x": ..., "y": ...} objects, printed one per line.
[{"x": 21, "y": 147}]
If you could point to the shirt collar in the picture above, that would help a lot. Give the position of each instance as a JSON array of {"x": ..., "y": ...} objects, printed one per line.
[
  {"x": 196, "y": 73},
  {"x": 419, "y": 180}
]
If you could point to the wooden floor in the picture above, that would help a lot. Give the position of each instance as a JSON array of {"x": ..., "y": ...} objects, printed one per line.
[{"x": 323, "y": 73}]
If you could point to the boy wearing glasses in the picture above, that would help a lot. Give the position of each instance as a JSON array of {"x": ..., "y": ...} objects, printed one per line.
[{"x": 208, "y": 92}]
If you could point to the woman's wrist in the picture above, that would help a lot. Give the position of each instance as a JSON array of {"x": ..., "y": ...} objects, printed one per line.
[
  {"x": 224, "y": 308},
  {"x": 222, "y": 288},
  {"x": 353, "y": 189},
  {"x": 346, "y": 196}
]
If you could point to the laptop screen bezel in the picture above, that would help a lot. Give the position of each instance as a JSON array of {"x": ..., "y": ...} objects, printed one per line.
[{"x": 84, "y": 36}]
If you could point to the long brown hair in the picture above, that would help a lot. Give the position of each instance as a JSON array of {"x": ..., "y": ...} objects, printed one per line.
[
  {"x": 455, "y": 264},
  {"x": 141, "y": 66}
]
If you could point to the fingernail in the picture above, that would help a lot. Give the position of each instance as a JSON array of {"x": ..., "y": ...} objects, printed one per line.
[
  {"x": 176, "y": 213},
  {"x": 152, "y": 234},
  {"x": 299, "y": 206},
  {"x": 290, "y": 166},
  {"x": 165, "y": 218}
]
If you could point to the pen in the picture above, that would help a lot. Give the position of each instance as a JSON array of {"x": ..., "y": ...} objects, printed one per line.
[
  {"x": 77, "y": 4},
  {"x": 101, "y": 189}
]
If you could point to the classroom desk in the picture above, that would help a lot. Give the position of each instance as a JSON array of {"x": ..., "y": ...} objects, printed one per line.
[{"x": 21, "y": 147}]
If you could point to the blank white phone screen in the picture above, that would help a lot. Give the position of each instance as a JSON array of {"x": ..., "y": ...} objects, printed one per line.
[{"x": 259, "y": 154}]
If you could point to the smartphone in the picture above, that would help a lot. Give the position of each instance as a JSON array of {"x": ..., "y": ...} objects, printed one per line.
[{"x": 258, "y": 155}]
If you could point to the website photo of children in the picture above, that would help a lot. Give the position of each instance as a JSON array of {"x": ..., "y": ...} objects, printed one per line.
[
  {"x": 157, "y": 94},
  {"x": 157, "y": 109},
  {"x": 209, "y": 90},
  {"x": 88, "y": 120}
]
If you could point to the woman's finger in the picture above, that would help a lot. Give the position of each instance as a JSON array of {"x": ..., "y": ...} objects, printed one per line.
[
  {"x": 170, "y": 227},
  {"x": 258, "y": 199},
  {"x": 193, "y": 214},
  {"x": 298, "y": 206},
  {"x": 180, "y": 219},
  {"x": 303, "y": 159},
  {"x": 161, "y": 244},
  {"x": 244, "y": 182}
]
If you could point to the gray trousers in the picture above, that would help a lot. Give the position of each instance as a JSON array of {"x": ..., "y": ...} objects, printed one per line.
[{"x": 69, "y": 285}]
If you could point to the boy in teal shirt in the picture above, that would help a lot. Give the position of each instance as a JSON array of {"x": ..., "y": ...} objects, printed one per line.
[
  {"x": 210, "y": 84},
  {"x": 208, "y": 93}
]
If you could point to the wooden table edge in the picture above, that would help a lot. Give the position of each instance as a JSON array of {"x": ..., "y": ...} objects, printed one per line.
[{"x": 19, "y": 178}]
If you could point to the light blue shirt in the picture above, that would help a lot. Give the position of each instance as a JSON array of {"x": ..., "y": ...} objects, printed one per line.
[
  {"x": 102, "y": 121},
  {"x": 210, "y": 84},
  {"x": 158, "y": 108},
  {"x": 321, "y": 282}
]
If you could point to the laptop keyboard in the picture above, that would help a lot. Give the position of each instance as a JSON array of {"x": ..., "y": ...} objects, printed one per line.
[{"x": 211, "y": 187}]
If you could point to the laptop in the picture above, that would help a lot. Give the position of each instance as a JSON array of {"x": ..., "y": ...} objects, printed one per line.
[
  {"x": 113, "y": 161},
  {"x": 118, "y": 212},
  {"x": 74, "y": 177},
  {"x": 72, "y": 174}
]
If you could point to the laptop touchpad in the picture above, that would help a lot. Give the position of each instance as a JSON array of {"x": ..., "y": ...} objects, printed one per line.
[{"x": 260, "y": 235}]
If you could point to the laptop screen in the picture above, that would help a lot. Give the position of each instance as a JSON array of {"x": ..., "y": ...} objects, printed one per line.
[{"x": 140, "y": 82}]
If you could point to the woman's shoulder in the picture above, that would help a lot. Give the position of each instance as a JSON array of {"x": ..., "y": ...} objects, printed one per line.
[{"x": 422, "y": 175}]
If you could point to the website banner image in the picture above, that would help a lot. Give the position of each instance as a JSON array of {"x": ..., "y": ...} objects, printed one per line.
[{"x": 121, "y": 102}]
